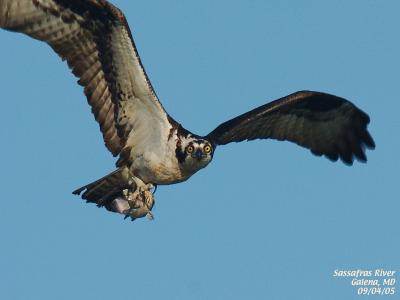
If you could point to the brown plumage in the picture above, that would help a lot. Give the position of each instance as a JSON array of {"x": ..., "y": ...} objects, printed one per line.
[
  {"x": 326, "y": 124},
  {"x": 94, "y": 38},
  {"x": 88, "y": 35}
]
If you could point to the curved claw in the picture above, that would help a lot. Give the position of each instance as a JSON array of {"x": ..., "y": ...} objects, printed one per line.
[
  {"x": 150, "y": 216},
  {"x": 140, "y": 200}
]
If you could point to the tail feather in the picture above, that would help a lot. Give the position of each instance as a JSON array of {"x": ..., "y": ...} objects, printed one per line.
[{"x": 106, "y": 189}]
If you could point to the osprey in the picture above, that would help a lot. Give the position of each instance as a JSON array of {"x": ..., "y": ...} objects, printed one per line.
[{"x": 153, "y": 149}]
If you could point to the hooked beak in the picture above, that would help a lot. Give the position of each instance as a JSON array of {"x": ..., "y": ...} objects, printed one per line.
[{"x": 198, "y": 154}]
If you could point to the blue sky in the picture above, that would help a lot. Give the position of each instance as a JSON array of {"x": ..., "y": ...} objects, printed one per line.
[{"x": 266, "y": 219}]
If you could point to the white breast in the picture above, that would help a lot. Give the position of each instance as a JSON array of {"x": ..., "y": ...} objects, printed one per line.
[{"x": 154, "y": 158}]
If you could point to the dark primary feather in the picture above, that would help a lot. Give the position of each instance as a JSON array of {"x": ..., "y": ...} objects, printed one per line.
[
  {"x": 94, "y": 38},
  {"x": 326, "y": 124}
]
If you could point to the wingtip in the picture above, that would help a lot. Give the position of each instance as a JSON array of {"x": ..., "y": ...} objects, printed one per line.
[
  {"x": 78, "y": 191},
  {"x": 369, "y": 141}
]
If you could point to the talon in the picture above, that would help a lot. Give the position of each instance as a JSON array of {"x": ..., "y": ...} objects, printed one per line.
[
  {"x": 136, "y": 205},
  {"x": 140, "y": 199},
  {"x": 150, "y": 216}
]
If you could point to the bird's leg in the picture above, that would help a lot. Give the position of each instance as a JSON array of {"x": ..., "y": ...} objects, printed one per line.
[
  {"x": 140, "y": 199},
  {"x": 139, "y": 186}
]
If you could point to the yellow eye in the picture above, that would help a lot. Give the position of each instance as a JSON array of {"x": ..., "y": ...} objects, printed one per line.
[
  {"x": 207, "y": 149},
  {"x": 190, "y": 149}
]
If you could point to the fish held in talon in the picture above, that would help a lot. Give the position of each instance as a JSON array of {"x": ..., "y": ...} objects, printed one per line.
[{"x": 151, "y": 147}]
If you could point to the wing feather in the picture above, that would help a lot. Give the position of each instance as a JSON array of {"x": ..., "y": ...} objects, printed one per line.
[
  {"x": 94, "y": 38},
  {"x": 326, "y": 124}
]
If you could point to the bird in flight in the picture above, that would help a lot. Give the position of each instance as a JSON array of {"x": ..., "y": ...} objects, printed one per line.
[{"x": 94, "y": 38}]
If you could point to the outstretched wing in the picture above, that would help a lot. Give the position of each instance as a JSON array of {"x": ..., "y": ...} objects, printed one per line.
[
  {"x": 326, "y": 124},
  {"x": 94, "y": 38}
]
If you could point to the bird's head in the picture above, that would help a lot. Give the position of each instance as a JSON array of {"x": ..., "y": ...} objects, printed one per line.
[{"x": 194, "y": 153}]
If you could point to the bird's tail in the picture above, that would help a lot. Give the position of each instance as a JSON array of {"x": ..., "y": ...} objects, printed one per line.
[{"x": 104, "y": 191}]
